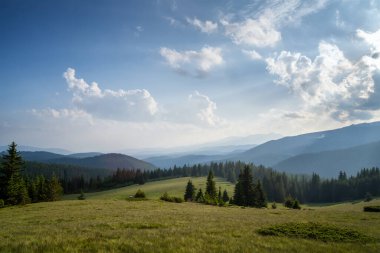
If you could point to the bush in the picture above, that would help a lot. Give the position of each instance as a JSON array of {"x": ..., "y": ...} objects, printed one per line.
[
  {"x": 1, "y": 203},
  {"x": 166, "y": 197},
  {"x": 290, "y": 202},
  {"x": 140, "y": 194},
  {"x": 296, "y": 204},
  {"x": 274, "y": 206},
  {"x": 371, "y": 209},
  {"x": 81, "y": 196}
]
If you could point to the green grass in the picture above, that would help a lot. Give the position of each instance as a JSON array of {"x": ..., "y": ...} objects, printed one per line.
[
  {"x": 106, "y": 222},
  {"x": 316, "y": 231},
  {"x": 153, "y": 190}
]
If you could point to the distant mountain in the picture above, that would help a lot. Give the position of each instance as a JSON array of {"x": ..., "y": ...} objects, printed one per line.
[
  {"x": 85, "y": 155},
  {"x": 104, "y": 161},
  {"x": 170, "y": 161},
  {"x": 329, "y": 163},
  {"x": 273, "y": 152},
  {"x": 34, "y": 149}
]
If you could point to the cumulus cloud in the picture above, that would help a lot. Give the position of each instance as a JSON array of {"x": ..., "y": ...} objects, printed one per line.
[
  {"x": 252, "y": 54},
  {"x": 198, "y": 109},
  {"x": 372, "y": 39},
  {"x": 196, "y": 63},
  {"x": 259, "y": 32},
  {"x": 124, "y": 105},
  {"x": 62, "y": 113},
  {"x": 262, "y": 29},
  {"x": 205, "y": 27},
  {"x": 330, "y": 83}
]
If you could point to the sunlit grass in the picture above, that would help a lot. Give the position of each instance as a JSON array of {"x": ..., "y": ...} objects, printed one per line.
[{"x": 106, "y": 222}]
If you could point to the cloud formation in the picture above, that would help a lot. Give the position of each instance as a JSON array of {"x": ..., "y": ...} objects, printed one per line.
[
  {"x": 254, "y": 55},
  {"x": 263, "y": 28},
  {"x": 195, "y": 63},
  {"x": 330, "y": 83},
  {"x": 123, "y": 105},
  {"x": 205, "y": 27}
]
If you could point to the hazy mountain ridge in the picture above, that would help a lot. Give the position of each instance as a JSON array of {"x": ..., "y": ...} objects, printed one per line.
[{"x": 108, "y": 161}]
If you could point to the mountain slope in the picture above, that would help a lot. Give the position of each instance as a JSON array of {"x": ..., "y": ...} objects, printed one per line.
[
  {"x": 273, "y": 152},
  {"x": 329, "y": 163},
  {"x": 104, "y": 161}
]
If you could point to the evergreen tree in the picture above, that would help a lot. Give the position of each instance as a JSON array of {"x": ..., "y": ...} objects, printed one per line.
[
  {"x": 11, "y": 165},
  {"x": 55, "y": 189},
  {"x": 244, "y": 190},
  {"x": 260, "y": 196},
  {"x": 199, "y": 197},
  {"x": 210, "y": 185},
  {"x": 225, "y": 197},
  {"x": 16, "y": 191},
  {"x": 190, "y": 191},
  {"x": 220, "y": 195}
]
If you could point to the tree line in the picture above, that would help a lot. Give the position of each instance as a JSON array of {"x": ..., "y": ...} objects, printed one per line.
[
  {"x": 16, "y": 188},
  {"x": 276, "y": 185}
]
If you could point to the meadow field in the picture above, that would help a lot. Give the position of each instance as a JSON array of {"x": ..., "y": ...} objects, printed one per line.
[{"x": 110, "y": 222}]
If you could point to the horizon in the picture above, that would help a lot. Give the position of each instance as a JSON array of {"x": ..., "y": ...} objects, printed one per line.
[{"x": 178, "y": 74}]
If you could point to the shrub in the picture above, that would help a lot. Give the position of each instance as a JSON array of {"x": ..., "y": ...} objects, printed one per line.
[
  {"x": 296, "y": 204},
  {"x": 166, "y": 197},
  {"x": 371, "y": 209},
  {"x": 140, "y": 194},
  {"x": 274, "y": 206},
  {"x": 81, "y": 196},
  {"x": 289, "y": 202},
  {"x": 1, "y": 203}
]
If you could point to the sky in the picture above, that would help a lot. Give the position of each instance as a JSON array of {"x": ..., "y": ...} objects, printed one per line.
[{"x": 110, "y": 75}]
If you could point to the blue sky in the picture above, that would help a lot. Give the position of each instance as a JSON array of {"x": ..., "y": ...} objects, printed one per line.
[{"x": 109, "y": 75}]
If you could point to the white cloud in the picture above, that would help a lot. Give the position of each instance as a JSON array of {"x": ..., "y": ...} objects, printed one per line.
[
  {"x": 330, "y": 83},
  {"x": 259, "y": 32},
  {"x": 262, "y": 28},
  {"x": 62, "y": 114},
  {"x": 204, "y": 109},
  {"x": 252, "y": 54},
  {"x": 124, "y": 105},
  {"x": 205, "y": 27},
  {"x": 372, "y": 39},
  {"x": 338, "y": 20},
  {"x": 196, "y": 63}
]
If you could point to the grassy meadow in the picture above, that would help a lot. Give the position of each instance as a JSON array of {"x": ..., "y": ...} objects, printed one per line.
[{"x": 107, "y": 222}]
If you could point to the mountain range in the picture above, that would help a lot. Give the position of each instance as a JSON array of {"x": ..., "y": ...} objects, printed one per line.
[
  {"x": 326, "y": 153},
  {"x": 349, "y": 148},
  {"x": 89, "y": 160}
]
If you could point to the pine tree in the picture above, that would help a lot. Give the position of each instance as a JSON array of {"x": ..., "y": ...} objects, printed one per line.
[
  {"x": 55, "y": 189},
  {"x": 220, "y": 195},
  {"x": 225, "y": 197},
  {"x": 12, "y": 164},
  {"x": 245, "y": 192},
  {"x": 17, "y": 192},
  {"x": 190, "y": 191},
  {"x": 260, "y": 197},
  {"x": 199, "y": 197},
  {"x": 210, "y": 186}
]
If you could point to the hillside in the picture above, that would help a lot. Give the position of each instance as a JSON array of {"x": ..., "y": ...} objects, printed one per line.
[
  {"x": 103, "y": 161},
  {"x": 329, "y": 163},
  {"x": 108, "y": 222},
  {"x": 273, "y": 152}
]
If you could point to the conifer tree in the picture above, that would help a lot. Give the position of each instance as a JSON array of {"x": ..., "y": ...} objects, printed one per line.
[
  {"x": 260, "y": 196},
  {"x": 210, "y": 185},
  {"x": 13, "y": 187},
  {"x": 220, "y": 195},
  {"x": 225, "y": 197},
  {"x": 199, "y": 197},
  {"x": 12, "y": 164},
  {"x": 245, "y": 194},
  {"x": 55, "y": 189},
  {"x": 190, "y": 191}
]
